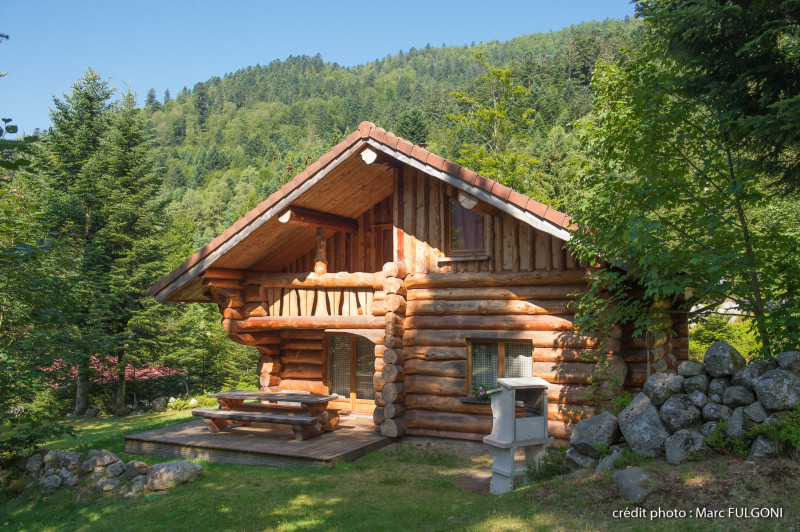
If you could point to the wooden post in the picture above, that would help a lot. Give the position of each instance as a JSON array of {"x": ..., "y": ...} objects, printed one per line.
[{"x": 321, "y": 258}]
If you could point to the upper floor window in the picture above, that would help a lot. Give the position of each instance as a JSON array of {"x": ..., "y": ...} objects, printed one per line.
[{"x": 466, "y": 231}]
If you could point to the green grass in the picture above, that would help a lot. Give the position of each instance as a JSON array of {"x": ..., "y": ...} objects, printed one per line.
[{"x": 402, "y": 487}]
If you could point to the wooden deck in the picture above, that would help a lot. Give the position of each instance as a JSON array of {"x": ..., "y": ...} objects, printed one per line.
[{"x": 260, "y": 444}]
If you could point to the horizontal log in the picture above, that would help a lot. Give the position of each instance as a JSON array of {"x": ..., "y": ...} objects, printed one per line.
[
  {"x": 393, "y": 285},
  {"x": 489, "y": 293},
  {"x": 302, "y": 357},
  {"x": 301, "y": 371},
  {"x": 302, "y": 385},
  {"x": 392, "y": 342},
  {"x": 308, "y": 217},
  {"x": 680, "y": 342},
  {"x": 379, "y": 401},
  {"x": 301, "y": 334},
  {"x": 637, "y": 374},
  {"x": 254, "y": 309},
  {"x": 393, "y": 373},
  {"x": 379, "y": 363},
  {"x": 392, "y": 410},
  {"x": 395, "y": 303},
  {"x": 440, "y": 403},
  {"x": 427, "y": 385},
  {"x": 430, "y": 433},
  {"x": 564, "y": 372},
  {"x": 223, "y": 284},
  {"x": 378, "y": 307},
  {"x": 436, "y": 368},
  {"x": 574, "y": 394},
  {"x": 523, "y": 278},
  {"x": 468, "y": 307},
  {"x": 379, "y": 350},
  {"x": 394, "y": 329},
  {"x": 681, "y": 354},
  {"x": 393, "y": 427},
  {"x": 560, "y": 430},
  {"x": 393, "y": 356},
  {"x": 393, "y": 392},
  {"x": 266, "y": 364},
  {"x": 270, "y": 350},
  {"x": 310, "y": 322},
  {"x": 456, "y": 338},
  {"x": 425, "y": 419},
  {"x": 377, "y": 415},
  {"x": 560, "y": 354},
  {"x": 222, "y": 273},
  {"x": 301, "y": 345},
  {"x": 395, "y": 269},
  {"x": 234, "y": 313},
  {"x": 311, "y": 280},
  {"x": 257, "y": 338},
  {"x": 542, "y": 322},
  {"x": 378, "y": 382},
  {"x": 571, "y": 413},
  {"x": 640, "y": 342},
  {"x": 432, "y": 352}
]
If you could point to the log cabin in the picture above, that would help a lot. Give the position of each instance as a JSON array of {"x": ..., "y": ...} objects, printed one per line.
[{"x": 396, "y": 279}]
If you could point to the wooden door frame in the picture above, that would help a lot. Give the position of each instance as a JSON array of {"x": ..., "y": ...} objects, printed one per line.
[{"x": 353, "y": 402}]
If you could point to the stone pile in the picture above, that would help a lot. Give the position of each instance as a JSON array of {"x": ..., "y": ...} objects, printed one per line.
[
  {"x": 676, "y": 412},
  {"x": 102, "y": 470}
]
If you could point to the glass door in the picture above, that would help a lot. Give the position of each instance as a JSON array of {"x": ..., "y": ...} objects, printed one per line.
[{"x": 351, "y": 366}]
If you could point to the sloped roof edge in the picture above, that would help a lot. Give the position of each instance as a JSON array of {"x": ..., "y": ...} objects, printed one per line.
[{"x": 520, "y": 206}]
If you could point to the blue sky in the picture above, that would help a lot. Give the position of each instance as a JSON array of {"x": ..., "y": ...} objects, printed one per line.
[{"x": 176, "y": 43}]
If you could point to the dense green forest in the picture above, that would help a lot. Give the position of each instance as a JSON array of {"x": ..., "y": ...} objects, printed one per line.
[{"x": 112, "y": 197}]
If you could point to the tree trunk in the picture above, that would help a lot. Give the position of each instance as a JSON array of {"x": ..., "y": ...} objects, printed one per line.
[
  {"x": 82, "y": 389},
  {"x": 119, "y": 403}
]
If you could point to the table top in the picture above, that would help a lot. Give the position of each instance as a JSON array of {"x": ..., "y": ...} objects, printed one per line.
[{"x": 292, "y": 397}]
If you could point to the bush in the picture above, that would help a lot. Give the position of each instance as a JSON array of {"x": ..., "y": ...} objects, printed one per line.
[
  {"x": 715, "y": 328},
  {"x": 722, "y": 443},
  {"x": 785, "y": 430},
  {"x": 620, "y": 402},
  {"x": 550, "y": 465}
]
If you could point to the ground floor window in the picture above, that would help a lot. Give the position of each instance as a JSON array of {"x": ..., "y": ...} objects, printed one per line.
[{"x": 490, "y": 360}]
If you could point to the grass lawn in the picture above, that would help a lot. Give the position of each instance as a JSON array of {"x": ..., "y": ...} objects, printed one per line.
[{"x": 410, "y": 486}]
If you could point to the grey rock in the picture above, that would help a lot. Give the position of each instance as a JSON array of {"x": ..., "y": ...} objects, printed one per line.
[
  {"x": 722, "y": 360},
  {"x": 607, "y": 463},
  {"x": 159, "y": 404},
  {"x": 698, "y": 399},
  {"x": 162, "y": 477},
  {"x": 630, "y": 483},
  {"x": 716, "y": 412},
  {"x": 715, "y": 398},
  {"x": 53, "y": 457},
  {"x": 51, "y": 484},
  {"x": 71, "y": 480},
  {"x": 790, "y": 361},
  {"x": 738, "y": 423},
  {"x": 690, "y": 368},
  {"x": 656, "y": 380},
  {"x": 134, "y": 468},
  {"x": 698, "y": 383},
  {"x": 762, "y": 449},
  {"x": 89, "y": 465},
  {"x": 662, "y": 386},
  {"x": 64, "y": 473},
  {"x": 72, "y": 460},
  {"x": 102, "y": 457},
  {"x": 34, "y": 463},
  {"x": 738, "y": 396},
  {"x": 575, "y": 460},
  {"x": 718, "y": 386},
  {"x": 193, "y": 402},
  {"x": 682, "y": 444},
  {"x": 777, "y": 389},
  {"x": 116, "y": 469},
  {"x": 642, "y": 427},
  {"x": 709, "y": 428},
  {"x": 753, "y": 370},
  {"x": 91, "y": 412},
  {"x": 755, "y": 412},
  {"x": 678, "y": 412},
  {"x": 138, "y": 484},
  {"x": 598, "y": 430},
  {"x": 109, "y": 484}
]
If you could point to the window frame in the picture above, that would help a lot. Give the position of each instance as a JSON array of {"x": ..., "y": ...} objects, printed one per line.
[
  {"x": 501, "y": 355},
  {"x": 448, "y": 232}
]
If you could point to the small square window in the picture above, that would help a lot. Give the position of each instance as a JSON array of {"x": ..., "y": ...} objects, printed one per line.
[
  {"x": 490, "y": 360},
  {"x": 465, "y": 231}
]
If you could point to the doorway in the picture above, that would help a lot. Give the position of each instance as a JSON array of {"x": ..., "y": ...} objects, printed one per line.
[{"x": 350, "y": 368}]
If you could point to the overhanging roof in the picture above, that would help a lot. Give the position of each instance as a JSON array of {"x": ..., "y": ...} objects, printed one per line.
[{"x": 259, "y": 241}]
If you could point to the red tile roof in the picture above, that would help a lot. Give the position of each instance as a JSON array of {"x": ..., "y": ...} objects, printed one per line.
[{"x": 368, "y": 130}]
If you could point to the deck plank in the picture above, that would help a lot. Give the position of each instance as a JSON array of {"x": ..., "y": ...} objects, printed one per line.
[{"x": 259, "y": 444}]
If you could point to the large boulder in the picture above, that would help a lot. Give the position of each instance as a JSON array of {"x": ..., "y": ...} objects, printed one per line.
[
  {"x": 738, "y": 424},
  {"x": 72, "y": 460},
  {"x": 162, "y": 477},
  {"x": 661, "y": 386},
  {"x": 34, "y": 463},
  {"x": 102, "y": 457},
  {"x": 116, "y": 469},
  {"x": 738, "y": 396},
  {"x": 698, "y": 383},
  {"x": 159, "y": 404},
  {"x": 134, "y": 468},
  {"x": 575, "y": 460},
  {"x": 777, "y": 389},
  {"x": 50, "y": 484},
  {"x": 790, "y": 361},
  {"x": 722, "y": 360},
  {"x": 631, "y": 483},
  {"x": 595, "y": 431},
  {"x": 718, "y": 387},
  {"x": 698, "y": 399},
  {"x": 755, "y": 412},
  {"x": 642, "y": 427},
  {"x": 682, "y": 444},
  {"x": 745, "y": 376},
  {"x": 762, "y": 449},
  {"x": 716, "y": 412},
  {"x": 678, "y": 412},
  {"x": 689, "y": 368}
]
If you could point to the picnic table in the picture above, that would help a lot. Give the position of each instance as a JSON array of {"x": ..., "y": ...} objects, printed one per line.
[{"x": 307, "y": 413}]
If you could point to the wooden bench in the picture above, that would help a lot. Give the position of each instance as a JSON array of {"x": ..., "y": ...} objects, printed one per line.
[
  {"x": 308, "y": 414},
  {"x": 217, "y": 420}
]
